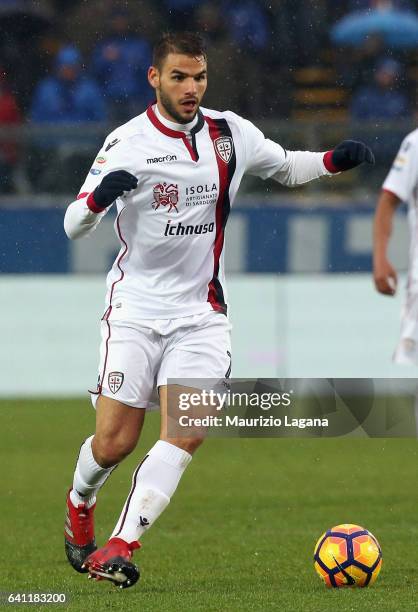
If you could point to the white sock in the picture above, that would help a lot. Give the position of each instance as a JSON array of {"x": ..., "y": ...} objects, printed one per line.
[
  {"x": 153, "y": 484},
  {"x": 89, "y": 476}
]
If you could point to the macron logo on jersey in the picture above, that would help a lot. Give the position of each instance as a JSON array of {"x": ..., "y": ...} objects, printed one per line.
[{"x": 160, "y": 160}]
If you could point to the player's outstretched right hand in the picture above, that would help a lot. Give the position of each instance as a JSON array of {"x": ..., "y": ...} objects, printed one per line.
[{"x": 112, "y": 186}]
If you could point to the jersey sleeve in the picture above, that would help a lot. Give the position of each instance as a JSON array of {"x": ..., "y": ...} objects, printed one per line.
[
  {"x": 268, "y": 159},
  {"x": 263, "y": 156},
  {"x": 402, "y": 177},
  {"x": 83, "y": 216}
]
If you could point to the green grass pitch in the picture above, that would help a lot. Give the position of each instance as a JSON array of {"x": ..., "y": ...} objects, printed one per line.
[{"x": 239, "y": 533}]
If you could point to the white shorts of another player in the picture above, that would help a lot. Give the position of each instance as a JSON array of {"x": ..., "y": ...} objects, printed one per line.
[{"x": 137, "y": 357}]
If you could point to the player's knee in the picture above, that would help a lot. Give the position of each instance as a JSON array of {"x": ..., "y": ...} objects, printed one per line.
[{"x": 109, "y": 451}]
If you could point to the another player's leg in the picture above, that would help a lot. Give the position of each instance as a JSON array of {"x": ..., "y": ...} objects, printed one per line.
[
  {"x": 117, "y": 430},
  {"x": 153, "y": 484}
]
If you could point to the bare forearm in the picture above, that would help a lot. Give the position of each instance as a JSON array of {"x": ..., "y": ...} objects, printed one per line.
[
  {"x": 384, "y": 274},
  {"x": 383, "y": 222}
]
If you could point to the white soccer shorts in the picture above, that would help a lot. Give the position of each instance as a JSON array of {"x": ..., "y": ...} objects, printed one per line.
[{"x": 135, "y": 358}]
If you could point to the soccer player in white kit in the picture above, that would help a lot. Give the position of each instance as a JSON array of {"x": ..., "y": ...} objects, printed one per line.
[
  {"x": 400, "y": 185},
  {"x": 173, "y": 173}
]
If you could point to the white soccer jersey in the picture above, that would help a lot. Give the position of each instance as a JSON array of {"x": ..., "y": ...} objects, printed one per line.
[
  {"x": 171, "y": 227},
  {"x": 402, "y": 180}
]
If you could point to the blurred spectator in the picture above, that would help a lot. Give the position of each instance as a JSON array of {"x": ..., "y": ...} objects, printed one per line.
[
  {"x": 370, "y": 31},
  {"x": 68, "y": 97},
  {"x": 363, "y": 59},
  {"x": 382, "y": 102},
  {"x": 120, "y": 64},
  {"x": 9, "y": 115}
]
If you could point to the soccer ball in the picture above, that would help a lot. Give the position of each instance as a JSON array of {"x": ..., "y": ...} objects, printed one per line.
[{"x": 348, "y": 555}]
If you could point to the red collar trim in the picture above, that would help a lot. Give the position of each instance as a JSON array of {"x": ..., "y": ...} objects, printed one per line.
[{"x": 160, "y": 126}]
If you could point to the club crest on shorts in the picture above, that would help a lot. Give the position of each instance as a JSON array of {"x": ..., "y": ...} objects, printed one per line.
[
  {"x": 115, "y": 380},
  {"x": 224, "y": 148}
]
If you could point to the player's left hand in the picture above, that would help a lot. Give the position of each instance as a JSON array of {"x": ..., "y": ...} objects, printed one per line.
[{"x": 351, "y": 153}]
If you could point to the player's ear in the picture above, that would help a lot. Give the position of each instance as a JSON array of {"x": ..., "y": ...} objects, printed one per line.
[{"x": 153, "y": 77}]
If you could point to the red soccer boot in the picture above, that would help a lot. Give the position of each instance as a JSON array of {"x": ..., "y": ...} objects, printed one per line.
[
  {"x": 79, "y": 534},
  {"x": 113, "y": 562}
]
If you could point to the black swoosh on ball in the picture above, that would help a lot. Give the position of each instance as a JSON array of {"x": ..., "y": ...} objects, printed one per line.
[{"x": 350, "y": 579}]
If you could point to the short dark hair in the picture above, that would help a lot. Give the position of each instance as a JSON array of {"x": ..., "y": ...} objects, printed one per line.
[{"x": 187, "y": 43}]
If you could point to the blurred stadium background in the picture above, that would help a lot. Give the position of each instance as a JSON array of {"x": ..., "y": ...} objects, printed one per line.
[{"x": 299, "y": 261}]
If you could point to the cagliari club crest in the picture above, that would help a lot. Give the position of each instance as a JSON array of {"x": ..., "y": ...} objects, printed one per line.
[
  {"x": 115, "y": 380},
  {"x": 224, "y": 148}
]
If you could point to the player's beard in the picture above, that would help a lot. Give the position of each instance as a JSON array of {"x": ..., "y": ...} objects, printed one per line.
[{"x": 170, "y": 109}]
